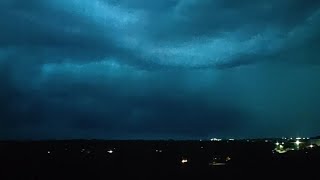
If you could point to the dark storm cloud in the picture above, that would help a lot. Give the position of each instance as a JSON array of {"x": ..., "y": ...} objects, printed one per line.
[
  {"x": 169, "y": 33},
  {"x": 137, "y": 68}
]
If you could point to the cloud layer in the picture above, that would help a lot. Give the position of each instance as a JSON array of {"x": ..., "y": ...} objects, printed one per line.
[{"x": 173, "y": 68}]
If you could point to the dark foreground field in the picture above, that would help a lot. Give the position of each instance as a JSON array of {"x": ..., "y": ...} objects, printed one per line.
[{"x": 153, "y": 160}]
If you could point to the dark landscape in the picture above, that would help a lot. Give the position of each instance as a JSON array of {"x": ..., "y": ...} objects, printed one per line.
[{"x": 98, "y": 159}]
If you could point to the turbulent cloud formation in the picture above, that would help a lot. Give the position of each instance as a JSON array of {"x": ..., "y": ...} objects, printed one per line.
[{"x": 162, "y": 69}]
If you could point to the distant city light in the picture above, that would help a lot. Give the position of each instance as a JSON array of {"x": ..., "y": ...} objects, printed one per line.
[
  {"x": 311, "y": 146},
  {"x": 228, "y": 159},
  {"x": 158, "y": 150},
  {"x": 266, "y": 141},
  {"x": 215, "y": 139},
  {"x": 277, "y": 143},
  {"x": 184, "y": 161},
  {"x": 217, "y": 161},
  {"x": 217, "y": 164},
  {"x": 83, "y": 150},
  {"x": 298, "y": 142},
  {"x": 231, "y": 139},
  {"x": 110, "y": 151},
  {"x": 49, "y": 152},
  {"x": 201, "y": 147},
  {"x": 298, "y": 138},
  {"x": 282, "y": 143},
  {"x": 280, "y": 151}
]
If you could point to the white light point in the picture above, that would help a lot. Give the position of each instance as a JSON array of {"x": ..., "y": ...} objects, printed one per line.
[
  {"x": 110, "y": 151},
  {"x": 183, "y": 161},
  {"x": 297, "y": 142}
]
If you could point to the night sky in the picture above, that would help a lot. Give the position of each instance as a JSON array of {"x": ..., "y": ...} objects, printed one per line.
[{"x": 180, "y": 69}]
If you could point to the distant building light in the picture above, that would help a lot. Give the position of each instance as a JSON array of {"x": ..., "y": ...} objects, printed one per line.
[
  {"x": 298, "y": 142},
  {"x": 308, "y": 138},
  {"x": 110, "y": 151},
  {"x": 311, "y": 146},
  {"x": 228, "y": 159},
  {"x": 281, "y": 151},
  {"x": 298, "y": 138},
  {"x": 282, "y": 143},
  {"x": 184, "y": 161},
  {"x": 215, "y": 139},
  {"x": 231, "y": 139},
  {"x": 277, "y": 143},
  {"x": 201, "y": 147},
  {"x": 218, "y": 161},
  {"x": 158, "y": 150},
  {"x": 49, "y": 152},
  {"x": 266, "y": 141},
  {"x": 217, "y": 164}
]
